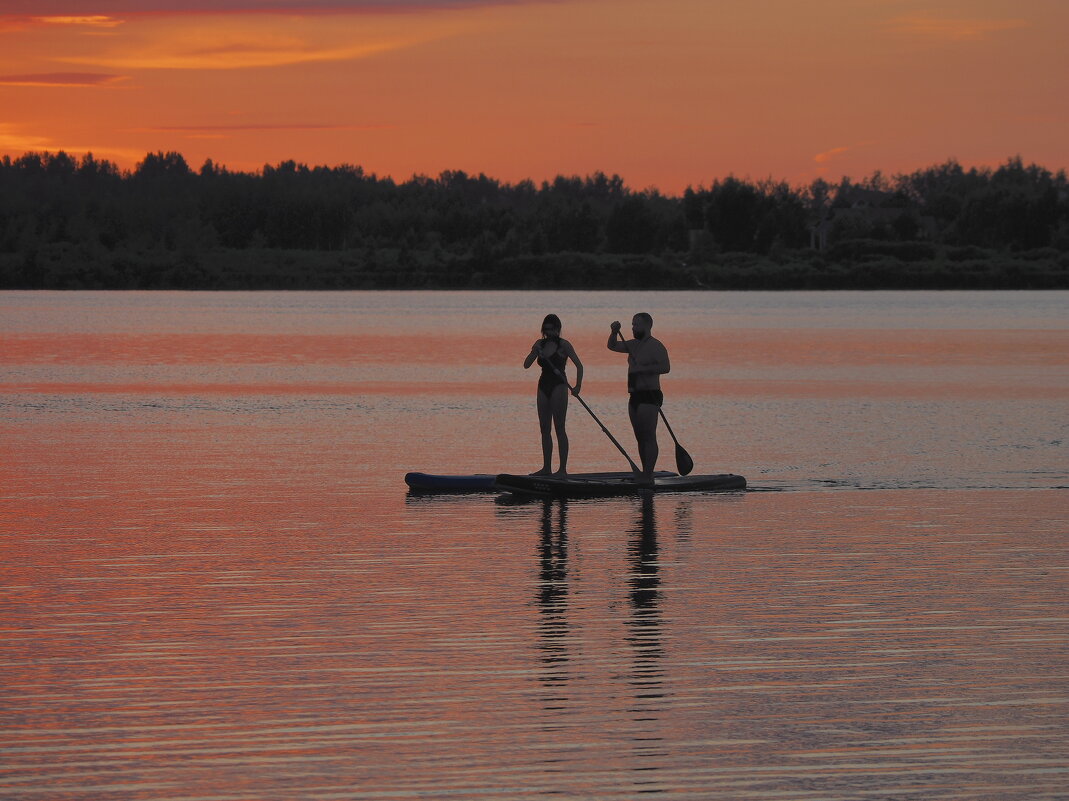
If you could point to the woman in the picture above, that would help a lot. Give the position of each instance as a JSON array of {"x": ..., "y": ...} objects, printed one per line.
[{"x": 552, "y": 354}]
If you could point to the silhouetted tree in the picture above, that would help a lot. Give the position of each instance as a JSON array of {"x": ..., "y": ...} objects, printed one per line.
[
  {"x": 83, "y": 222},
  {"x": 733, "y": 211}
]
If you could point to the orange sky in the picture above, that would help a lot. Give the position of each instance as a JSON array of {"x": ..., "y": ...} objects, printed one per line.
[{"x": 665, "y": 93}]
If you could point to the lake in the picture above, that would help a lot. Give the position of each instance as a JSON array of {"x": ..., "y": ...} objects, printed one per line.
[{"x": 215, "y": 586}]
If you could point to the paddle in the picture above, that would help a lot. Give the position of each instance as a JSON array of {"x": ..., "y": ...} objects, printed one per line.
[
  {"x": 684, "y": 464},
  {"x": 619, "y": 447}
]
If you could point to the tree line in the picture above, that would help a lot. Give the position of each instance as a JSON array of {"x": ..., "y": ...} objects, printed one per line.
[{"x": 69, "y": 222}]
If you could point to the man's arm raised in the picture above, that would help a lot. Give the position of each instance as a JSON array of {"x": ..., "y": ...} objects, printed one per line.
[{"x": 616, "y": 342}]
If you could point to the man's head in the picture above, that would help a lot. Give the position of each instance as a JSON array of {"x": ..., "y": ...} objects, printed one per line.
[{"x": 641, "y": 324}]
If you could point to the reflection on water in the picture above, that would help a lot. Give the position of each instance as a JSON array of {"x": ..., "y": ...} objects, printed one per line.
[
  {"x": 215, "y": 641},
  {"x": 226, "y": 595},
  {"x": 645, "y": 633},
  {"x": 553, "y": 594},
  {"x": 645, "y": 619}
]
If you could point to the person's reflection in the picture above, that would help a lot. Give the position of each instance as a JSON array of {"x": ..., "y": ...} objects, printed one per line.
[
  {"x": 684, "y": 520},
  {"x": 553, "y": 593},
  {"x": 647, "y": 674}
]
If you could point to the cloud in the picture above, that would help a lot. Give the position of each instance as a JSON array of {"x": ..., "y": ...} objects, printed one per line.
[
  {"x": 88, "y": 23},
  {"x": 95, "y": 21},
  {"x": 224, "y": 39},
  {"x": 828, "y": 155},
  {"x": 77, "y": 8},
  {"x": 79, "y": 79},
  {"x": 11, "y": 140},
  {"x": 235, "y": 50},
  {"x": 959, "y": 30},
  {"x": 259, "y": 127},
  {"x": 14, "y": 142},
  {"x": 222, "y": 131}
]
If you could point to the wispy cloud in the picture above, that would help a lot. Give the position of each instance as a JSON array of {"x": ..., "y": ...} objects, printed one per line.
[
  {"x": 227, "y": 34},
  {"x": 224, "y": 131},
  {"x": 98, "y": 24},
  {"x": 265, "y": 127},
  {"x": 15, "y": 141},
  {"x": 828, "y": 155},
  {"x": 953, "y": 29},
  {"x": 76, "y": 8},
  {"x": 207, "y": 50},
  {"x": 68, "y": 79},
  {"x": 95, "y": 21}
]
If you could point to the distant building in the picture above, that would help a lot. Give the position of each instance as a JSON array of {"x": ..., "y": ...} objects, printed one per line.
[
  {"x": 819, "y": 229},
  {"x": 863, "y": 209},
  {"x": 860, "y": 198}
]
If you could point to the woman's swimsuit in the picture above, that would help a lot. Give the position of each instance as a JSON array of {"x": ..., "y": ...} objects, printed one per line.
[{"x": 549, "y": 380}]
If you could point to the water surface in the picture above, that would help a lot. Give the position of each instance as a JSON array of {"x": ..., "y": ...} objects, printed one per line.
[{"x": 215, "y": 587}]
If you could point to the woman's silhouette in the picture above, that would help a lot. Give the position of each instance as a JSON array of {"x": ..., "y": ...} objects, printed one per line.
[{"x": 552, "y": 353}]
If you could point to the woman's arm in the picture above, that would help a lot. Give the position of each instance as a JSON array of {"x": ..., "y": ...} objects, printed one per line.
[
  {"x": 536, "y": 351},
  {"x": 578, "y": 369}
]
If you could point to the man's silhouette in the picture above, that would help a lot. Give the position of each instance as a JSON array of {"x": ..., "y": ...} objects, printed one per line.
[{"x": 647, "y": 361}]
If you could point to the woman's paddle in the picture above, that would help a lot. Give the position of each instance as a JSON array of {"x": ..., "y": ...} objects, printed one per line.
[
  {"x": 684, "y": 464},
  {"x": 619, "y": 447}
]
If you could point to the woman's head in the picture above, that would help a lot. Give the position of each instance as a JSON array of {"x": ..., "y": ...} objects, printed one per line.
[{"x": 551, "y": 326}]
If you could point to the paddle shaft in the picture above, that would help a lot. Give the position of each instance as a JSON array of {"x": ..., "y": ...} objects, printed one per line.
[
  {"x": 666, "y": 424},
  {"x": 620, "y": 447},
  {"x": 608, "y": 433}
]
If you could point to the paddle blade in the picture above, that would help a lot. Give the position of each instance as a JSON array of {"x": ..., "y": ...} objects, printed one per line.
[{"x": 684, "y": 464}]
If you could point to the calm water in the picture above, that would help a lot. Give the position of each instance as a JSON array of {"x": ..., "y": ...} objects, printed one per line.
[{"x": 214, "y": 586}]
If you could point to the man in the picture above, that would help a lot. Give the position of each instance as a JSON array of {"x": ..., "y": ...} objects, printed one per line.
[{"x": 647, "y": 361}]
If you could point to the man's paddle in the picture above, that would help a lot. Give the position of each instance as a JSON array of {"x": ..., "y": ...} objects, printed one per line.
[
  {"x": 684, "y": 464},
  {"x": 619, "y": 447}
]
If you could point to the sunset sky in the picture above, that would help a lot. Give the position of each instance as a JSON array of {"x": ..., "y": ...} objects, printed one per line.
[{"x": 666, "y": 93}]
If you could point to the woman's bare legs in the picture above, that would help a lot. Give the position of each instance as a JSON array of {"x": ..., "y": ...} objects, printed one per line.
[{"x": 552, "y": 414}]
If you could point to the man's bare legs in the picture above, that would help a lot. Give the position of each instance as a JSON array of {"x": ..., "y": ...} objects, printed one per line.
[{"x": 644, "y": 421}]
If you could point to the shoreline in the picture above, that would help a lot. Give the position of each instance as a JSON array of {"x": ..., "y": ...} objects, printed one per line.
[{"x": 64, "y": 266}]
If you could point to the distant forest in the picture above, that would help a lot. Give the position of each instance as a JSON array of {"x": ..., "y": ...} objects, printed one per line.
[{"x": 69, "y": 223}]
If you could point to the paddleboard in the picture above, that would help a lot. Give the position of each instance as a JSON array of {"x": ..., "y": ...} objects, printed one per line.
[
  {"x": 583, "y": 487},
  {"x": 484, "y": 482}
]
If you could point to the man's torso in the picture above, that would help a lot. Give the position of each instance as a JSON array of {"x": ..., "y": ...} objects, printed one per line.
[{"x": 643, "y": 353}]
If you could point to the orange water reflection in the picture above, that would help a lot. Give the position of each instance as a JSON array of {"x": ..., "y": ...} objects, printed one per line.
[
  {"x": 213, "y": 585},
  {"x": 212, "y": 641},
  {"x": 811, "y": 388},
  {"x": 1008, "y": 364},
  {"x": 760, "y": 347}
]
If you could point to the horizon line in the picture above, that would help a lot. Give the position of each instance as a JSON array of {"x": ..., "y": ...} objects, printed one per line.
[{"x": 129, "y": 172}]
